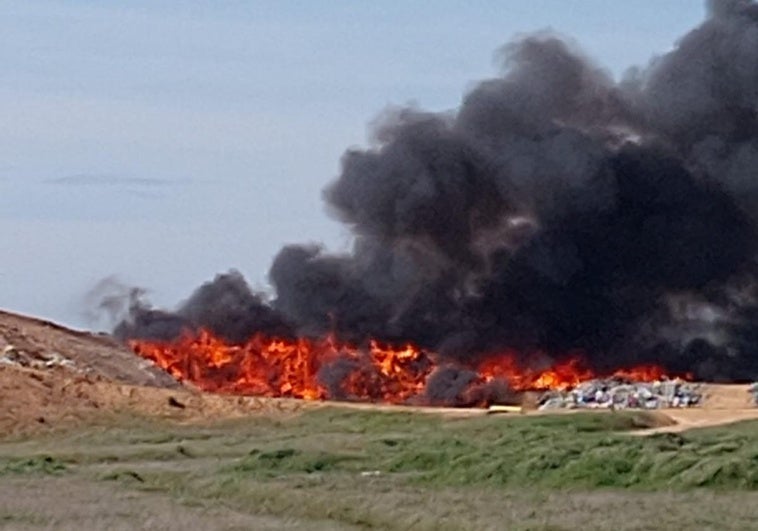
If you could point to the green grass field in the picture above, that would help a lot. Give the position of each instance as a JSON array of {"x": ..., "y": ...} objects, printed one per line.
[{"x": 339, "y": 468}]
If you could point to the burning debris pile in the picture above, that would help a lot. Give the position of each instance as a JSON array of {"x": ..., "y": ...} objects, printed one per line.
[
  {"x": 555, "y": 211},
  {"x": 621, "y": 393},
  {"x": 328, "y": 369}
]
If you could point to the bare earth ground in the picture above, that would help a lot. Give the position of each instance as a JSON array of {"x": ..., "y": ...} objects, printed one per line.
[
  {"x": 724, "y": 404},
  {"x": 105, "y": 384},
  {"x": 96, "y": 354}
]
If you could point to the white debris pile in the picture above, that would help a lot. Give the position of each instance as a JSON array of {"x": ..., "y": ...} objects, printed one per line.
[
  {"x": 615, "y": 393},
  {"x": 753, "y": 390},
  {"x": 10, "y": 355}
]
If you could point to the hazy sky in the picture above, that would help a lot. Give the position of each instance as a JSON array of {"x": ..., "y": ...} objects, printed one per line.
[{"x": 165, "y": 142}]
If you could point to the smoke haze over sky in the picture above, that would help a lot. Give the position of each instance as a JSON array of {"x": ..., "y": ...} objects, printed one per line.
[{"x": 165, "y": 143}]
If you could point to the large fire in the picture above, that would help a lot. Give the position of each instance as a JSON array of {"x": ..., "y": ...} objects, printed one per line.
[{"x": 326, "y": 369}]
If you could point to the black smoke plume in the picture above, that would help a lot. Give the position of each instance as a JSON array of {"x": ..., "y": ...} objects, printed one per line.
[{"x": 556, "y": 209}]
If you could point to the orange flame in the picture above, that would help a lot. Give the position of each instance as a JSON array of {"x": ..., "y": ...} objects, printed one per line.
[
  {"x": 561, "y": 375},
  {"x": 326, "y": 369},
  {"x": 291, "y": 368}
]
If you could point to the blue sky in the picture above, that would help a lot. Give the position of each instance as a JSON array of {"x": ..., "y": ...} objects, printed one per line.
[{"x": 164, "y": 142}]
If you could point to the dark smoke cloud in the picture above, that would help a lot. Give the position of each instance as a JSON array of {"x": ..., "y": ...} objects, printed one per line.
[
  {"x": 226, "y": 306},
  {"x": 556, "y": 209},
  {"x": 453, "y": 386}
]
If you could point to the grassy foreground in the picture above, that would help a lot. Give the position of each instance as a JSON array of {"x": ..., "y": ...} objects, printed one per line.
[{"x": 337, "y": 468}]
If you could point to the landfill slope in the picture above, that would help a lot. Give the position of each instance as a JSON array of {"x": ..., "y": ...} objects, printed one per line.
[
  {"x": 34, "y": 401},
  {"x": 37, "y": 343},
  {"x": 53, "y": 377}
]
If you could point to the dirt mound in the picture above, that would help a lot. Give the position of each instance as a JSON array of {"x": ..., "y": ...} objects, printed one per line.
[
  {"x": 36, "y": 400},
  {"x": 35, "y": 342},
  {"x": 726, "y": 396},
  {"x": 722, "y": 404},
  {"x": 51, "y": 376}
]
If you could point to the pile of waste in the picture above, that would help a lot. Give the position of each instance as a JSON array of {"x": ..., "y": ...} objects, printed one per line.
[
  {"x": 616, "y": 393},
  {"x": 753, "y": 390},
  {"x": 10, "y": 355}
]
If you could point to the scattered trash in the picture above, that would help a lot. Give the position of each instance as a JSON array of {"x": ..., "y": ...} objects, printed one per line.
[
  {"x": 753, "y": 390},
  {"x": 616, "y": 393},
  {"x": 12, "y": 356}
]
